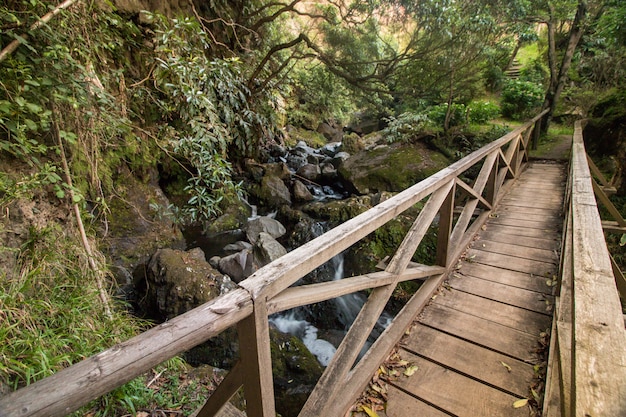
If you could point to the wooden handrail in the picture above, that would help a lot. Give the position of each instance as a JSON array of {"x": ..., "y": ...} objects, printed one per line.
[
  {"x": 587, "y": 372},
  {"x": 268, "y": 291}
]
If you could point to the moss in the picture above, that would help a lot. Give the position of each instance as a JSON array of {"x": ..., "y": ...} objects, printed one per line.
[{"x": 310, "y": 137}]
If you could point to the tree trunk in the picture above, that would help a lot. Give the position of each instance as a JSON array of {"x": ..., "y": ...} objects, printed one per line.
[{"x": 553, "y": 94}]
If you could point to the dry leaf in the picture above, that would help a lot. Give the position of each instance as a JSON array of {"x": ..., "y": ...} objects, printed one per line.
[
  {"x": 508, "y": 368},
  {"x": 410, "y": 370},
  {"x": 369, "y": 411},
  {"x": 520, "y": 403}
]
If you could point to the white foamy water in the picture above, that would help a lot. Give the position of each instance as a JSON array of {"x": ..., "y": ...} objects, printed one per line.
[{"x": 322, "y": 349}]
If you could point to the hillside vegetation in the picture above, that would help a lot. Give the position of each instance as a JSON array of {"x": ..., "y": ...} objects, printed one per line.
[{"x": 106, "y": 106}]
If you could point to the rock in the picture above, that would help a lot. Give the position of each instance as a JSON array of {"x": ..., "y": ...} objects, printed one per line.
[
  {"x": 277, "y": 169},
  {"x": 352, "y": 143},
  {"x": 331, "y": 149},
  {"x": 331, "y": 132},
  {"x": 237, "y": 246},
  {"x": 273, "y": 192},
  {"x": 238, "y": 266},
  {"x": 215, "y": 262},
  {"x": 267, "y": 249},
  {"x": 340, "y": 158},
  {"x": 301, "y": 193},
  {"x": 177, "y": 282},
  {"x": 264, "y": 224},
  {"x": 391, "y": 168},
  {"x": 295, "y": 370},
  {"x": 328, "y": 171},
  {"x": 278, "y": 151},
  {"x": 310, "y": 172}
]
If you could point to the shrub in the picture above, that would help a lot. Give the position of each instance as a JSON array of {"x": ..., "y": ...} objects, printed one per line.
[
  {"x": 521, "y": 98},
  {"x": 405, "y": 127},
  {"x": 458, "y": 115},
  {"x": 481, "y": 112}
]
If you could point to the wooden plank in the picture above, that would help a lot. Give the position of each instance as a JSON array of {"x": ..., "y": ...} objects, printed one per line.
[
  {"x": 552, "y": 395},
  {"x": 608, "y": 205},
  {"x": 256, "y": 360},
  {"x": 532, "y": 211},
  {"x": 401, "y": 404},
  {"x": 446, "y": 218},
  {"x": 612, "y": 226},
  {"x": 532, "y": 224},
  {"x": 532, "y": 204},
  {"x": 469, "y": 359},
  {"x": 489, "y": 334},
  {"x": 225, "y": 390},
  {"x": 599, "y": 337},
  {"x": 524, "y": 231},
  {"x": 455, "y": 393},
  {"x": 523, "y": 280},
  {"x": 530, "y": 242},
  {"x": 515, "y": 213},
  {"x": 507, "y": 315},
  {"x": 513, "y": 263},
  {"x": 536, "y": 254},
  {"x": 519, "y": 297},
  {"x": 362, "y": 372},
  {"x": 314, "y": 293}
]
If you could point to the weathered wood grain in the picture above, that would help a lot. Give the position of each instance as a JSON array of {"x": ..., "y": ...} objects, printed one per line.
[
  {"x": 462, "y": 396},
  {"x": 523, "y": 280},
  {"x": 537, "y": 254},
  {"x": 495, "y": 311},
  {"x": 482, "y": 332},
  {"x": 513, "y": 263},
  {"x": 508, "y": 374},
  {"x": 515, "y": 296}
]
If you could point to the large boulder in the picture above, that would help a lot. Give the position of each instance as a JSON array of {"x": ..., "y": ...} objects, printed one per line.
[
  {"x": 177, "y": 281},
  {"x": 264, "y": 224},
  {"x": 310, "y": 172},
  {"x": 391, "y": 168},
  {"x": 273, "y": 192},
  {"x": 238, "y": 266},
  {"x": 301, "y": 193},
  {"x": 267, "y": 249}
]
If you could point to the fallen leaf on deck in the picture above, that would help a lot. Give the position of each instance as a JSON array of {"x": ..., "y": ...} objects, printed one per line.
[
  {"x": 410, "y": 370},
  {"x": 520, "y": 403},
  {"x": 508, "y": 368}
]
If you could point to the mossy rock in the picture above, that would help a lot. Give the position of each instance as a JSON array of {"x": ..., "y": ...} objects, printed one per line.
[
  {"x": 391, "y": 168},
  {"x": 310, "y": 137},
  {"x": 295, "y": 370}
]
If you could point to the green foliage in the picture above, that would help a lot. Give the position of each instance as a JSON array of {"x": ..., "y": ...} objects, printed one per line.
[
  {"x": 209, "y": 103},
  {"x": 406, "y": 127},
  {"x": 535, "y": 72},
  {"x": 52, "y": 313},
  {"x": 521, "y": 98},
  {"x": 481, "y": 111},
  {"x": 458, "y": 114}
]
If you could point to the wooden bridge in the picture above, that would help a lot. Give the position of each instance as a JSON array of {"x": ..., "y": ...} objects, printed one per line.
[{"x": 522, "y": 271}]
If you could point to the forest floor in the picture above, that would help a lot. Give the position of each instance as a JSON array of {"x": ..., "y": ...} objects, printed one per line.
[{"x": 556, "y": 147}]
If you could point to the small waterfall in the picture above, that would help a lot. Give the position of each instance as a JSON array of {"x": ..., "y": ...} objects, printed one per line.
[{"x": 349, "y": 305}]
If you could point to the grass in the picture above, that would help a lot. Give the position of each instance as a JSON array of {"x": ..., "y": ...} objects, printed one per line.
[
  {"x": 528, "y": 53},
  {"x": 51, "y": 317}
]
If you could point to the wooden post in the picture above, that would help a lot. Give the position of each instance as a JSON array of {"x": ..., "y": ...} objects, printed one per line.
[
  {"x": 536, "y": 134},
  {"x": 446, "y": 219},
  {"x": 256, "y": 360}
]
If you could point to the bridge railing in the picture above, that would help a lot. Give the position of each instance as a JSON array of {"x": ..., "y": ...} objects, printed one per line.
[
  {"x": 455, "y": 200},
  {"x": 587, "y": 368}
]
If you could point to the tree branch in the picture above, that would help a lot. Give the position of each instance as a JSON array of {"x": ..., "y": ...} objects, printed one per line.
[{"x": 11, "y": 47}]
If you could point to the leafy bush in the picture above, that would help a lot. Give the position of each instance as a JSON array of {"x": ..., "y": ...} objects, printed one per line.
[
  {"x": 405, "y": 127},
  {"x": 458, "y": 116},
  {"x": 521, "y": 98},
  {"x": 535, "y": 71},
  {"x": 481, "y": 112}
]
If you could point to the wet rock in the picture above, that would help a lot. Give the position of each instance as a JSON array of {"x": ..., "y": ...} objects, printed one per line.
[
  {"x": 310, "y": 172},
  {"x": 328, "y": 171},
  {"x": 277, "y": 169},
  {"x": 267, "y": 249},
  {"x": 264, "y": 224},
  {"x": 340, "y": 158},
  {"x": 238, "y": 266},
  {"x": 237, "y": 246},
  {"x": 273, "y": 192},
  {"x": 177, "y": 281},
  {"x": 301, "y": 193},
  {"x": 331, "y": 149}
]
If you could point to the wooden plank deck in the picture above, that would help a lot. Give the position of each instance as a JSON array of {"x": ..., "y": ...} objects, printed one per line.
[{"x": 475, "y": 345}]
